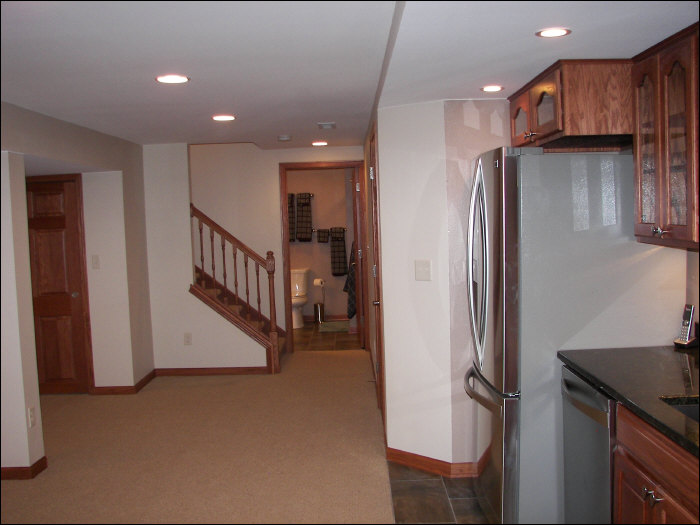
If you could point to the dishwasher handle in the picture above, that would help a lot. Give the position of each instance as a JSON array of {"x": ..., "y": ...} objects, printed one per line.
[{"x": 585, "y": 398}]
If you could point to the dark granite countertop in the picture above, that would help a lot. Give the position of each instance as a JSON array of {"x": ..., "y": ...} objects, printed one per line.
[{"x": 636, "y": 377}]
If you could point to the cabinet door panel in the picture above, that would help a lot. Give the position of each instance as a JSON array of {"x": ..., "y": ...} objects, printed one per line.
[
  {"x": 645, "y": 81},
  {"x": 520, "y": 120},
  {"x": 668, "y": 510},
  {"x": 678, "y": 83},
  {"x": 545, "y": 106},
  {"x": 629, "y": 496}
]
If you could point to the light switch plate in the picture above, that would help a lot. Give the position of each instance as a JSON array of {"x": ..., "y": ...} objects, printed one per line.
[{"x": 423, "y": 270}]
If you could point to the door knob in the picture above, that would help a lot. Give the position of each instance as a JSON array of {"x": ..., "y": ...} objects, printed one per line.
[
  {"x": 375, "y": 303},
  {"x": 74, "y": 295}
]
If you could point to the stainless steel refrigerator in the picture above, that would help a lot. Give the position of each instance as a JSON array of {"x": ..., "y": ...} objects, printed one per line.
[{"x": 552, "y": 264}]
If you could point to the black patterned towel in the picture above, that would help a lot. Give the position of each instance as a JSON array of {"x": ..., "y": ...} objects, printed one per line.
[
  {"x": 291, "y": 215},
  {"x": 304, "y": 225},
  {"x": 350, "y": 283},
  {"x": 339, "y": 262},
  {"x": 322, "y": 235}
]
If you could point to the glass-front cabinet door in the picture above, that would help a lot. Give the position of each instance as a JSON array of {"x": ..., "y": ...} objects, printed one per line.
[
  {"x": 666, "y": 145},
  {"x": 646, "y": 145},
  {"x": 545, "y": 106},
  {"x": 520, "y": 121},
  {"x": 677, "y": 84}
]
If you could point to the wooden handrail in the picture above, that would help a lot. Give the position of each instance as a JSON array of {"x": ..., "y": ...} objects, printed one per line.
[
  {"x": 250, "y": 313},
  {"x": 195, "y": 212}
]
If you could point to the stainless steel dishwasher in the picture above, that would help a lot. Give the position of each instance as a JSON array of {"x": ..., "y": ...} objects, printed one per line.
[{"x": 589, "y": 427}]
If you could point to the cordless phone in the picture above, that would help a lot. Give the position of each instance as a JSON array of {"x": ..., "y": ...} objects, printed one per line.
[{"x": 684, "y": 340}]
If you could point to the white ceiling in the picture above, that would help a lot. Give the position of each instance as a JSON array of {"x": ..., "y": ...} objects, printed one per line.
[{"x": 282, "y": 67}]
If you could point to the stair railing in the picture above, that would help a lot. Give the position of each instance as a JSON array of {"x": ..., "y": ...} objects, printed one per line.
[{"x": 225, "y": 251}]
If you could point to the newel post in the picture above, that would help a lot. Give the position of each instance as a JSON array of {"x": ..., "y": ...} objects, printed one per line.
[{"x": 270, "y": 266}]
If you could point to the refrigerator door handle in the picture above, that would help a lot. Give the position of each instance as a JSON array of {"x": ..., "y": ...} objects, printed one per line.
[
  {"x": 477, "y": 204},
  {"x": 495, "y": 404}
]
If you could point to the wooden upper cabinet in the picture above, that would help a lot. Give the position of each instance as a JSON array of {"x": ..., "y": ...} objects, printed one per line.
[
  {"x": 665, "y": 84},
  {"x": 575, "y": 105}
]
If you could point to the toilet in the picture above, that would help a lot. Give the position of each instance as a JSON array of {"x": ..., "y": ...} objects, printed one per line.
[{"x": 300, "y": 280}]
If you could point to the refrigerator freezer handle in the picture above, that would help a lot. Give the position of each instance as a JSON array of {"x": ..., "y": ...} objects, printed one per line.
[{"x": 476, "y": 396}]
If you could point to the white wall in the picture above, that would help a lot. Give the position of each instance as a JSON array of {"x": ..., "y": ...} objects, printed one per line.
[
  {"x": 215, "y": 341},
  {"x": 692, "y": 292},
  {"x": 472, "y": 127},
  {"x": 31, "y": 133},
  {"x": 21, "y": 446},
  {"x": 238, "y": 186},
  {"x": 28, "y": 133},
  {"x": 105, "y": 251},
  {"x": 414, "y": 219}
]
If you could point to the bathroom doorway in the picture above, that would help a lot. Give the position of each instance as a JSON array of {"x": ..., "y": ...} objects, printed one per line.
[{"x": 335, "y": 210}]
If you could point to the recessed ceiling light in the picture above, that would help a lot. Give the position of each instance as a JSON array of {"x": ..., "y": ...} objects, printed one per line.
[
  {"x": 492, "y": 89},
  {"x": 320, "y": 143},
  {"x": 553, "y": 32},
  {"x": 172, "y": 79},
  {"x": 223, "y": 118}
]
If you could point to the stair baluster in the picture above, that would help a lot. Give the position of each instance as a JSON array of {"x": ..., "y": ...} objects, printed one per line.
[
  {"x": 201, "y": 248},
  {"x": 247, "y": 288},
  {"x": 235, "y": 275},
  {"x": 270, "y": 267},
  {"x": 213, "y": 261},
  {"x": 257, "y": 279},
  {"x": 223, "y": 264}
]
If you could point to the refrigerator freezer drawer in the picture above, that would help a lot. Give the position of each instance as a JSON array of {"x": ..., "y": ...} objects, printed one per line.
[{"x": 497, "y": 448}]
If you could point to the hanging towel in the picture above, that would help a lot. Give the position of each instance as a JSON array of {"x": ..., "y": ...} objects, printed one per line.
[
  {"x": 339, "y": 263},
  {"x": 350, "y": 283},
  {"x": 291, "y": 214},
  {"x": 304, "y": 225},
  {"x": 322, "y": 235}
]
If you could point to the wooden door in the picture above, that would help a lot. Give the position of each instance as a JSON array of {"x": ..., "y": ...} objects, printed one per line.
[
  {"x": 359, "y": 235},
  {"x": 375, "y": 276},
  {"x": 59, "y": 284}
]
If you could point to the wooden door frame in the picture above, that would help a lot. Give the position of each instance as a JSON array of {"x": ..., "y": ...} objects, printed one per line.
[
  {"x": 84, "y": 300},
  {"x": 359, "y": 236}
]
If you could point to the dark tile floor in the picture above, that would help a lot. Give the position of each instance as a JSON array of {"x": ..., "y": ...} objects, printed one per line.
[
  {"x": 421, "y": 497},
  {"x": 418, "y": 497},
  {"x": 309, "y": 338}
]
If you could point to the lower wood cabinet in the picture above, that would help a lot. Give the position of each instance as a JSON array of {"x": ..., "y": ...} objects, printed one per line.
[{"x": 655, "y": 480}]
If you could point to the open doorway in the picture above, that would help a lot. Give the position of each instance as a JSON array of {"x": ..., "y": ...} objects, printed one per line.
[{"x": 323, "y": 252}]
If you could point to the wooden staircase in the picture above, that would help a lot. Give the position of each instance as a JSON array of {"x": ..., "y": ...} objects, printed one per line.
[{"x": 222, "y": 293}]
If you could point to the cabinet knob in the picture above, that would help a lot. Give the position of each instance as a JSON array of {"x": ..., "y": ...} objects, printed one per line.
[
  {"x": 649, "y": 494},
  {"x": 658, "y": 231},
  {"x": 653, "y": 499},
  {"x": 530, "y": 134}
]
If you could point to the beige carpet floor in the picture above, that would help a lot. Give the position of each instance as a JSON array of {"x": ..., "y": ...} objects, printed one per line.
[{"x": 303, "y": 446}]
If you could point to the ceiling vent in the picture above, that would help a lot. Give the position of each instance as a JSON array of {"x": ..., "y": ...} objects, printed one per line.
[{"x": 326, "y": 125}]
